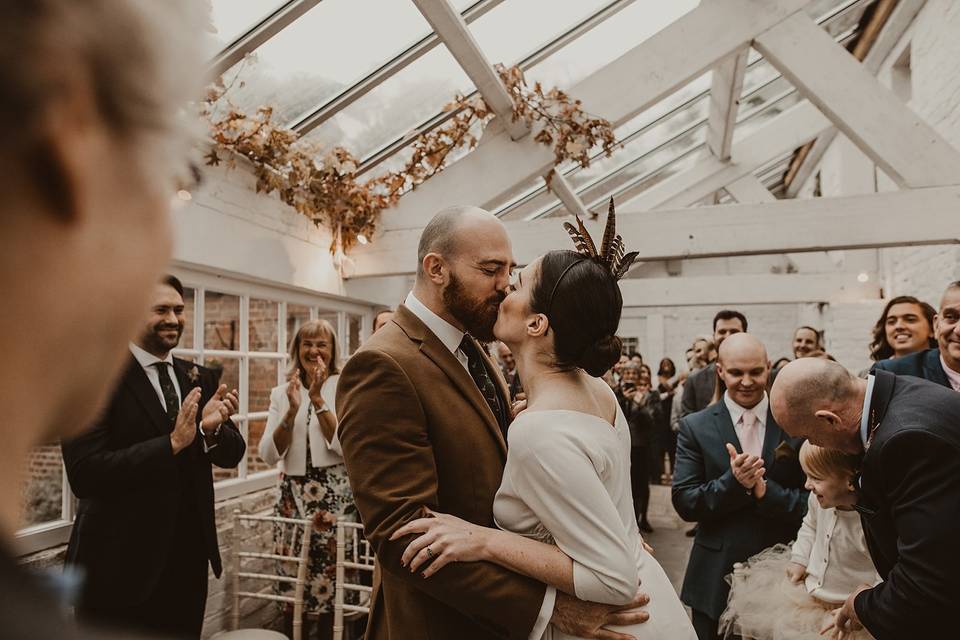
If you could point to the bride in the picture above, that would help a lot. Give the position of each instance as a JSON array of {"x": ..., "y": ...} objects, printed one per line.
[{"x": 564, "y": 505}]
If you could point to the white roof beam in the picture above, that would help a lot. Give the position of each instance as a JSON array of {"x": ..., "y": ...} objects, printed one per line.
[
  {"x": 726, "y": 85},
  {"x": 910, "y": 151},
  {"x": 782, "y": 134},
  {"x": 266, "y": 29},
  {"x": 895, "y": 31},
  {"x": 749, "y": 189},
  {"x": 452, "y": 29},
  {"x": 568, "y": 197},
  {"x": 793, "y": 288},
  {"x": 785, "y": 226},
  {"x": 628, "y": 85}
]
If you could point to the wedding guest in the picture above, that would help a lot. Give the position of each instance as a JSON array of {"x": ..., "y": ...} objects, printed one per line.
[
  {"x": 904, "y": 327},
  {"x": 301, "y": 437},
  {"x": 738, "y": 476},
  {"x": 828, "y": 561},
  {"x": 940, "y": 365},
  {"x": 909, "y": 434},
  {"x": 618, "y": 366},
  {"x": 779, "y": 364},
  {"x": 633, "y": 396},
  {"x": 92, "y": 93},
  {"x": 703, "y": 387},
  {"x": 806, "y": 342},
  {"x": 666, "y": 387},
  {"x": 383, "y": 317},
  {"x": 143, "y": 477},
  {"x": 508, "y": 366}
]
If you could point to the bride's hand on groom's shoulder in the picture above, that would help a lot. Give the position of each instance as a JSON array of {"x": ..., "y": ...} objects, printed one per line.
[
  {"x": 442, "y": 539},
  {"x": 590, "y": 619}
]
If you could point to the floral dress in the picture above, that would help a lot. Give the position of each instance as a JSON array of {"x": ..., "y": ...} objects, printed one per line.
[{"x": 322, "y": 495}]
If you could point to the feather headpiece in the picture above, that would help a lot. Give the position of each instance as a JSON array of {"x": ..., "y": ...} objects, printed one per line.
[{"x": 611, "y": 254}]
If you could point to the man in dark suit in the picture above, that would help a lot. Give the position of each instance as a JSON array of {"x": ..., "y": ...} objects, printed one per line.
[
  {"x": 739, "y": 476},
  {"x": 145, "y": 529},
  {"x": 700, "y": 387},
  {"x": 909, "y": 433},
  {"x": 941, "y": 365}
]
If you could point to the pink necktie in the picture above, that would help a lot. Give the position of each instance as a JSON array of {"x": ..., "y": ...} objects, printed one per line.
[{"x": 750, "y": 439}]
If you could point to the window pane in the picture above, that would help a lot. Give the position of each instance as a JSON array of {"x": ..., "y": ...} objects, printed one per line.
[
  {"x": 263, "y": 325},
  {"x": 189, "y": 311},
  {"x": 396, "y": 106},
  {"x": 231, "y": 19},
  {"x": 229, "y": 370},
  {"x": 255, "y": 463},
  {"x": 297, "y": 315},
  {"x": 263, "y": 378},
  {"x": 221, "y": 321},
  {"x": 354, "y": 324},
  {"x": 329, "y": 48},
  {"x": 41, "y": 493}
]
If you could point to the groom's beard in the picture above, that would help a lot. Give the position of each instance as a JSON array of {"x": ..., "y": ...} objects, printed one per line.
[{"x": 477, "y": 316}]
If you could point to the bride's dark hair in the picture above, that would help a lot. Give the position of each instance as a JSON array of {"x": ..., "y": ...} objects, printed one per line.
[{"x": 582, "y": 301}]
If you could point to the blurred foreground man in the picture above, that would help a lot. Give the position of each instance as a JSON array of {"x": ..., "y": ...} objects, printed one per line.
[{"x": 91, "y": 94}]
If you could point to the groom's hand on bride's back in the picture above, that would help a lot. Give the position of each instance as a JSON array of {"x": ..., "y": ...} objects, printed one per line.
[{"x": 589, "y": 619}]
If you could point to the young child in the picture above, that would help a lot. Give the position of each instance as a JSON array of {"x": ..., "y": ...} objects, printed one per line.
[{"x": 788, "y": 593}]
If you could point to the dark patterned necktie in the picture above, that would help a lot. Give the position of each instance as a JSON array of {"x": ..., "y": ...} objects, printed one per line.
[
  {"x": 483, "y": 380},
  {"x": 169, "y": 391}
]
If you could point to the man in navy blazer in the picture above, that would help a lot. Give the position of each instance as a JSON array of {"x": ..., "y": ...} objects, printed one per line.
[
  {"x": 941, "y": 365},
  {"x": 739, "y": 476},
  {"x": 908, "y": 488}
]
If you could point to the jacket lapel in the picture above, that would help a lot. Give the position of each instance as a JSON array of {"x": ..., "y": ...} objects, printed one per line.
[
  {"x": 725, "y": 426},
  {"x": 146, "y": 395},
  {"x": 432, "y": 348},
  {"x": 771, "y": 440},
  {"x": 933, "y": 370}
]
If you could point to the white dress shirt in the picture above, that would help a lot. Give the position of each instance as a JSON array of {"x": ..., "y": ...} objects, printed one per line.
[
  {"x": 294, "y": 460},
  {"x": 736, "y": 414},
  {"x": 451, "y": 337},
  {"x": 148, "y": 362},
  {"x": 830, "y": 544}
]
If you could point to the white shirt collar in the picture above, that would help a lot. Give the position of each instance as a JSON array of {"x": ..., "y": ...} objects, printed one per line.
[
  {"x": 147, "y": 359},
  {"x": 449, "y": 335},
  {"x": 736, "y": 411},
  {"x": 865, "y": 418}
]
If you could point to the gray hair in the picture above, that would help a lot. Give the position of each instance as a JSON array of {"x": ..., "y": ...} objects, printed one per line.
[{"x": 141, "y": 61}]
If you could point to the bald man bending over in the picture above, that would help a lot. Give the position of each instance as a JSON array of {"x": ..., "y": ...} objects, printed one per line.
[
  {"x": 739, "y": 476},
  {"x": 909, "y": 487},
  {"x": 417, "y": 432}
]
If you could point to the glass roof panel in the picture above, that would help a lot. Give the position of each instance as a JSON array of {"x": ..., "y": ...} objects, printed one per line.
[
  {"x": 326, "y": 50},
  {"x": 396, "y": 106},
  {"x": 231, "y": 19}
]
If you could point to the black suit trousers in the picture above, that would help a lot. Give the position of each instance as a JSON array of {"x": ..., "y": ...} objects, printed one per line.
[{"x": 640, "y": 480}]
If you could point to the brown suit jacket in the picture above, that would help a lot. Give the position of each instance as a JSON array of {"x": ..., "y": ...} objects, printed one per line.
[{"x": 416, "y": 432}]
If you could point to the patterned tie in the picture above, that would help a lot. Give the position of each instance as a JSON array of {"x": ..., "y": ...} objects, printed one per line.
[
  {"x": 750, "y": 441},
  {"x": 483, "y": 380},
  {"x": 169, "y": 391}
]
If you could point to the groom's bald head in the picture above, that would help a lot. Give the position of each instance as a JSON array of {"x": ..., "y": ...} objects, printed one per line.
[{"x": 445, "y": 232}]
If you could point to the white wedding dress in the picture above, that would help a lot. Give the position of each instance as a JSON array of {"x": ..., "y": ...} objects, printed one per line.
[{"x": 567, "y": 482}]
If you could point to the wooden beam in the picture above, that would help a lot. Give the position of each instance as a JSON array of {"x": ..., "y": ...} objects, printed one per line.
[
  {"x": 793, "y": 288},
  {"x": 268, "y": 27},
  {"x": 749, "y": 189},
  {"x": 856, "y": 222},
  {"x": 894, "y": 30},
  {"x": 790, "y": 129},
  {"x": 452, "y": 29},
  {"x": 630, "y": 84},
  {"x": 725, "y": 88},
  {"x": 568, "y": 197},
  {"x": 910, "y": 151}
]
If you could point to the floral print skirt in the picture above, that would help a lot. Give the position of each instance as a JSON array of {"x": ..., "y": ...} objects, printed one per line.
[{"x": 322, "y": 495}]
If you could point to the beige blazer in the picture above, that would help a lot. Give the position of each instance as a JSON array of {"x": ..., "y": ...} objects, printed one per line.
[{"x": 416, "y": 432}]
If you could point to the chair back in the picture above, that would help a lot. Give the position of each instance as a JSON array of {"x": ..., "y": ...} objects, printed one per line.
[
  {"x": 355, "y": 558},
  {"x": 294, "y": 548}
]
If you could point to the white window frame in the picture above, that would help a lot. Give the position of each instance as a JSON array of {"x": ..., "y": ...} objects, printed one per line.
[{"x": 49, "y": 534}]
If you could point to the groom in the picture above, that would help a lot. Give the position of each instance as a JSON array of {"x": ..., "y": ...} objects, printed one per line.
[{"x": 423, "y": 420}]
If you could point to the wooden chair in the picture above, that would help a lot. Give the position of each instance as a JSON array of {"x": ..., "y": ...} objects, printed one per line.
[
  {"x": 299, "y": 530},
  {"x": 353, "y": 553}
]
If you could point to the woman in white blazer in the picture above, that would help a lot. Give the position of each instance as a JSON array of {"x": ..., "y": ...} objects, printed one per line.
[{"x": 301, "y": 437}]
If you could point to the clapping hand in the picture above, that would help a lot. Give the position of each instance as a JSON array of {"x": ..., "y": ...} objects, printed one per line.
[
  {"x": 316, "y": 379},
  {"x": 747, "y": 469},
  {"x": 185, "y": 428},
  {"x": 219, "y": 408},
  {"x": 293, "y": 393}
]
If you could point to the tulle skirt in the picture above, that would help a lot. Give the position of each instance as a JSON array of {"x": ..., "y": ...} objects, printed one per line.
[{"x": 764, "y": 605}]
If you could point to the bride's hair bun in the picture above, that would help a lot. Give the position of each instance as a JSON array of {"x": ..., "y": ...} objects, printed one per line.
[
  {"x": 582, "y": 301},
  {"x": 600, "y": 356}
]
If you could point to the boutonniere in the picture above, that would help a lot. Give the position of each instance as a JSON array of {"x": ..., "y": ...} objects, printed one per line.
[
  {"x": 194, "y": 374},
  {"x": 784, "y": 451}
]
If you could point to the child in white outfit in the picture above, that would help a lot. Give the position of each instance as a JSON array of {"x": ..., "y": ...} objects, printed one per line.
[{"x": 828, "y": 561}]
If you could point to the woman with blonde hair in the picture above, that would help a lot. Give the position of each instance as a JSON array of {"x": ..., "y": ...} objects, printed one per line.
[
  {"x": 804, "y": 583},
  {"x": 301, "y": 437}
]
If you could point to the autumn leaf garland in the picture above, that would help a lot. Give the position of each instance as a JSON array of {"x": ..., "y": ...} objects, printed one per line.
[{"x": 327, "y": 188}]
